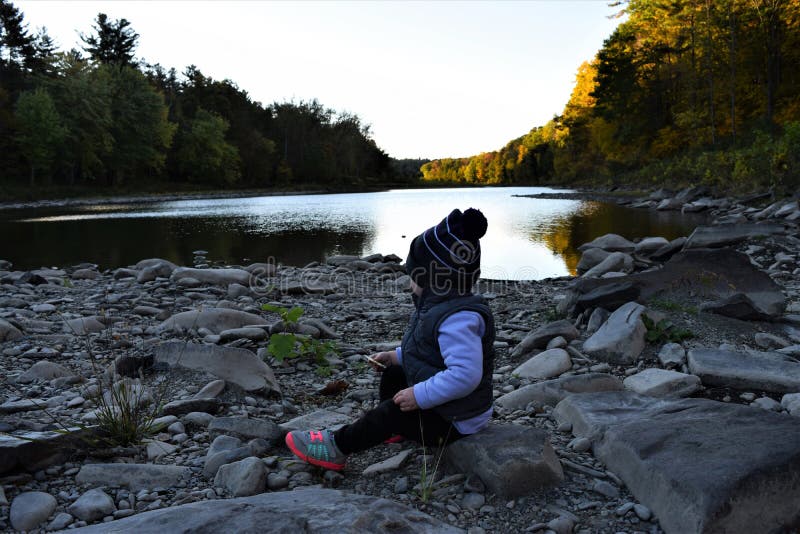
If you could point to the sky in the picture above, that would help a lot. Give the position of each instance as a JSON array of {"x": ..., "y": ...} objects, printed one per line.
[{"x": 433, "y": 79}]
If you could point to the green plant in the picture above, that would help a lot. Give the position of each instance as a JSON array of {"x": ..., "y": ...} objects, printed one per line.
[
  {"x": 324, "y": 371},
  {"x": 673, "y": 306},
  {"x": 664, "y": 331},
  {"x": 551, "y": 314},
  {"x": 427, "y": 479},
  {"x": 289, "y": 344}
]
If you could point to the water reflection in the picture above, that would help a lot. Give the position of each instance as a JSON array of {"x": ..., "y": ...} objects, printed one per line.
[{"x": 527, "y": 238}]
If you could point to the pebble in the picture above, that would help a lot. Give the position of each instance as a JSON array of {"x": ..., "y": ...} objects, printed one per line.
[{"x": 642, "y": 512}]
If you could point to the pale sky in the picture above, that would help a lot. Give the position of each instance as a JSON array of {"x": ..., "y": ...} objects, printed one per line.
[{"x": 433, "y": 79}]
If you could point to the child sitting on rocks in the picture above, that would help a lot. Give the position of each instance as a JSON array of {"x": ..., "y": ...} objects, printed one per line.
[{"x": 437, "y": 386}]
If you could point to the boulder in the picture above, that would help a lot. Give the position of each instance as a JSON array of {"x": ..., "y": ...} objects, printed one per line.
[
  {"x": 511, "y": 460},
  {"x": 84, "y": 325},
  {"x": 37, "y": 450},
  {"x": 160, "y": 267},
  {"x": 8, "y": 332},
  {"x": 791, "y": 403},
  {"x": 614, "y": 262},
  {"x": 610, "y": 243},
  {"x": 672, "y": 355},
  {"x": 133, "y": 476},
  {"x": 608, "y": 296},
  {"x": 236, "y": 366},
  {"x": 539, "y": 338},
  {"x": 30, "y": 509},
  {"x": 243, "y": 478},
  {"x": 85, "y": 274},
  {"x": 216, "y": 320},
  {"x": 220, "y": 277},
  {"x": 317, "y": 420},
  {"x": 590, "y": 258},
  {"x": 44, "y": 370},
  {"x": 662, "y": 383},
  {"x": 551, "y": 392},
  {"x": 772, "y": 372},
  {"x": 699, "y": 465},
  {"x": 621, "y": 338},
  {"x": 722, "y": 235},
  {"x": 312, "y": 510},
  {"x": 739, "y": 306},
  {"x": 93, "y": 505},
  {"x": 693, "y": 276},
  {"x": 246, "y": 428},
  {"x": 648, "y": 245},
  {"x": 546, "y": 364},
  {"x": 667, "y": 251}
]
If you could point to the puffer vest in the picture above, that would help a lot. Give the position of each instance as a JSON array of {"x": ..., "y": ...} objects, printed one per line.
[{"x": 422, "y": 357}]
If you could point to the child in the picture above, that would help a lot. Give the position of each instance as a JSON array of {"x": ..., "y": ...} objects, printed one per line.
[{"x": 437, "y": 386}]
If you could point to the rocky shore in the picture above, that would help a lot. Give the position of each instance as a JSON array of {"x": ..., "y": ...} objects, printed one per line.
[{"x": 658, "y": 390}]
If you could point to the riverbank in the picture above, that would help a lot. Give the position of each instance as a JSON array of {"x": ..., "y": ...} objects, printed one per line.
[{"x": 711, "y": 318}]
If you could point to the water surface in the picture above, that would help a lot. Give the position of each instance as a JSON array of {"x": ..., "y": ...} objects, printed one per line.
[{"x": 527, "y": 238}]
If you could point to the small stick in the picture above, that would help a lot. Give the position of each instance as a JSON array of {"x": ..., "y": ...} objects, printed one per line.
[{"x": 376, "y": 362}]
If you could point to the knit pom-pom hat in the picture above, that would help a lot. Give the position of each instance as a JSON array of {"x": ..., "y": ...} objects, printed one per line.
[{"x": 447, "y": 257}]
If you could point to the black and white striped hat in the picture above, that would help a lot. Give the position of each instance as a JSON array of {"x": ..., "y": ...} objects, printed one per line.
[{"x": 447, "y": 257}]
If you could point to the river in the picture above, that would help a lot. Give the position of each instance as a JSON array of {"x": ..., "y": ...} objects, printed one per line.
[{"x": 527, "y": 239}]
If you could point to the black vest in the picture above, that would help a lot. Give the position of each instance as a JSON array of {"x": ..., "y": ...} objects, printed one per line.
[{"x": 422, "y": 357}]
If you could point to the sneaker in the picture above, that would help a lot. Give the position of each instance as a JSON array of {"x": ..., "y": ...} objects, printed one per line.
[
  {"x": 317, "y": 448},
  {"x": 397, "y": 438}
]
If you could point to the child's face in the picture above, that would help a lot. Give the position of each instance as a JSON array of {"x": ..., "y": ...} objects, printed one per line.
[{"x": 416, "y": 289}]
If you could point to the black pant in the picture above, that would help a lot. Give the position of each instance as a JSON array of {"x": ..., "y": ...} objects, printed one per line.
[{"x": 384, "y": 421}]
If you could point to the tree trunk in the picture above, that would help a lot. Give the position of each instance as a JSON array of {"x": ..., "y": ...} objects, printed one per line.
[
  {"x": 33, "y": 176},
  {"x": 732, "y": 60}
]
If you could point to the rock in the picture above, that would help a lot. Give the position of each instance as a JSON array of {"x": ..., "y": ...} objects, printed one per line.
[
  {"x": 390, "y": 464},
  {"x": 222, "y": 277},
  {"x": 184, "y": 406},
  {"x": 43, "y": 308},
  {"x": 306, "y": 287},
  {"x": 217, "y": 320},
  {"x": 561, "y": 525},
  {"x": 262, "y": 269},
  {"x": 236, "y": 366},
  {"x": 670, "y": 204},
  {"x": 662, "y": 383},
  {"x": 156, "y": 449},
  {"x": 312, "y": 510},
  {"x": 672, "y": 355},
  {"x": 667, "y": 251},
  {"x": 253, "y": 334},
  {"x": 473, "y": 501},
  {"x": 766, "y": 371},
  {"x": 243, "y": 478},
  {"x": 608, "y": 296},
  {"x": 722, "y": 235},
  {"x": 611, "y": 243},
  {"x": 689, "y": 459},
  {"x": 596, "y": 320},
  {"x": 318, "y": 419},
  {"x": 61, "y": 521},
  {"x": 92, "y": 505},
  {"x": 738, "y": 306},
  {"x": 614, "y": 262},
  {"x": 44, "y": 370},
  {"x": 212, "y": 390},
  {"x": 237, "y": 290},
  {"x": 24, "y": 405},
  {"x": 8, "y": 332},
  {"x": 30, "y": 509},
  {"x": 605, "y": 489},
  {"x": 766, "y": 403},
  {"x": 547, "y": 364},
  {"x": 37, "y": 450},
  {"x": 246, "y": 428},
  {"x": 770, "y": 341},
  {"x": 791, "y": 402},
  {"x": 693, "y": 276},
  {"x": 83, "y": 326},
  {"x": 200, "y": 419},
  {"x": 133, "y": 476},
  {"x": 224, "y": 450},
  {"x": 590, "y": 258},
  {"x": 552, "y": 392},
  {"x": 511, "y": 460},
  {"x": 621, "y": 338},
  {"x": 648, "y": 245},
  {"x": 539, "y": 338}
]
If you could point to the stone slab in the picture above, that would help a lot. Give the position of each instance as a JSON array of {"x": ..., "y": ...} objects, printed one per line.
[
  {"x": 773, "y": 372},
  {"x": 132, "y": 476},
  {"x": 312, "y": 510},
  {"x": 700, "y": 465},
  {"x": 551, "y": 392}
]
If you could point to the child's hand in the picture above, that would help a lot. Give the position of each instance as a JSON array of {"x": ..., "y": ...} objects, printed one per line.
[
  {"x": 384, "y": 358},
  {"x": 406, "y": 400}
]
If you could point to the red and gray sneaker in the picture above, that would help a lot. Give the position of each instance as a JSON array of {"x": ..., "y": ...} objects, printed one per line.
[{"x": 316, "y": 447}]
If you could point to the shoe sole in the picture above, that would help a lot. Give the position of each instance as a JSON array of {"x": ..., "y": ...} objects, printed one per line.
[{"x": 313, "y": 461}]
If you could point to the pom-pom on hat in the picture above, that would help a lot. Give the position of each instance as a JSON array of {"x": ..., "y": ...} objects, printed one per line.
[{"x": 447, "y": 257}]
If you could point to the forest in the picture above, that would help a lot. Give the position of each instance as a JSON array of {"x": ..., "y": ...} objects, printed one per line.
[
  {"x": 683, "y": 92},
  {"x": 99, "y": 120}
]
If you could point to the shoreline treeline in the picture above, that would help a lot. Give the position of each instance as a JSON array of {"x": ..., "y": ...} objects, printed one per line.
[
  {"x": 99, "y": 119},
  {"x": 682, "y": 92}
]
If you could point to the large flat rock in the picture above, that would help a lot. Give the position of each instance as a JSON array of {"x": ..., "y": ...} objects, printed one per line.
[
  {"x": 695, "y": 276},
  {"x": 132, "y": 476},
  {"x": 773, "y": 372},
  {"x": 216, "y": 320},
  {"x": 213, "y": 276},
  {"x": 511, "y": 460},
  {"x": 32, "y": 451},
  {"x": 306, "y": 510},
  {"x": 234, "y": 365},
  {"x": 700, "y": 465},
  {"x": 729, "y": 234},
  {"x": 551, "y": 392}
]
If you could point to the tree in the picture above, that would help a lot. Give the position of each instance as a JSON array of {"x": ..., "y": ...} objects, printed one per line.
[
  {"x": 203, "y": 153},
  {"x": 40, "y": 132},
  {"x": 113, "y": 42},
  {"x": 16, "y": 44}
]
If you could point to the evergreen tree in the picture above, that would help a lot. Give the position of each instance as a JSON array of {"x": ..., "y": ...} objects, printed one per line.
[{"x": 113, "y": 41}]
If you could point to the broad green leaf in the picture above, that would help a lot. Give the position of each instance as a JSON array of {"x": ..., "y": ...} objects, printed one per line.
[
  {"x": 293, "y": 315},
  {"x": 281, "y": 346}
]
